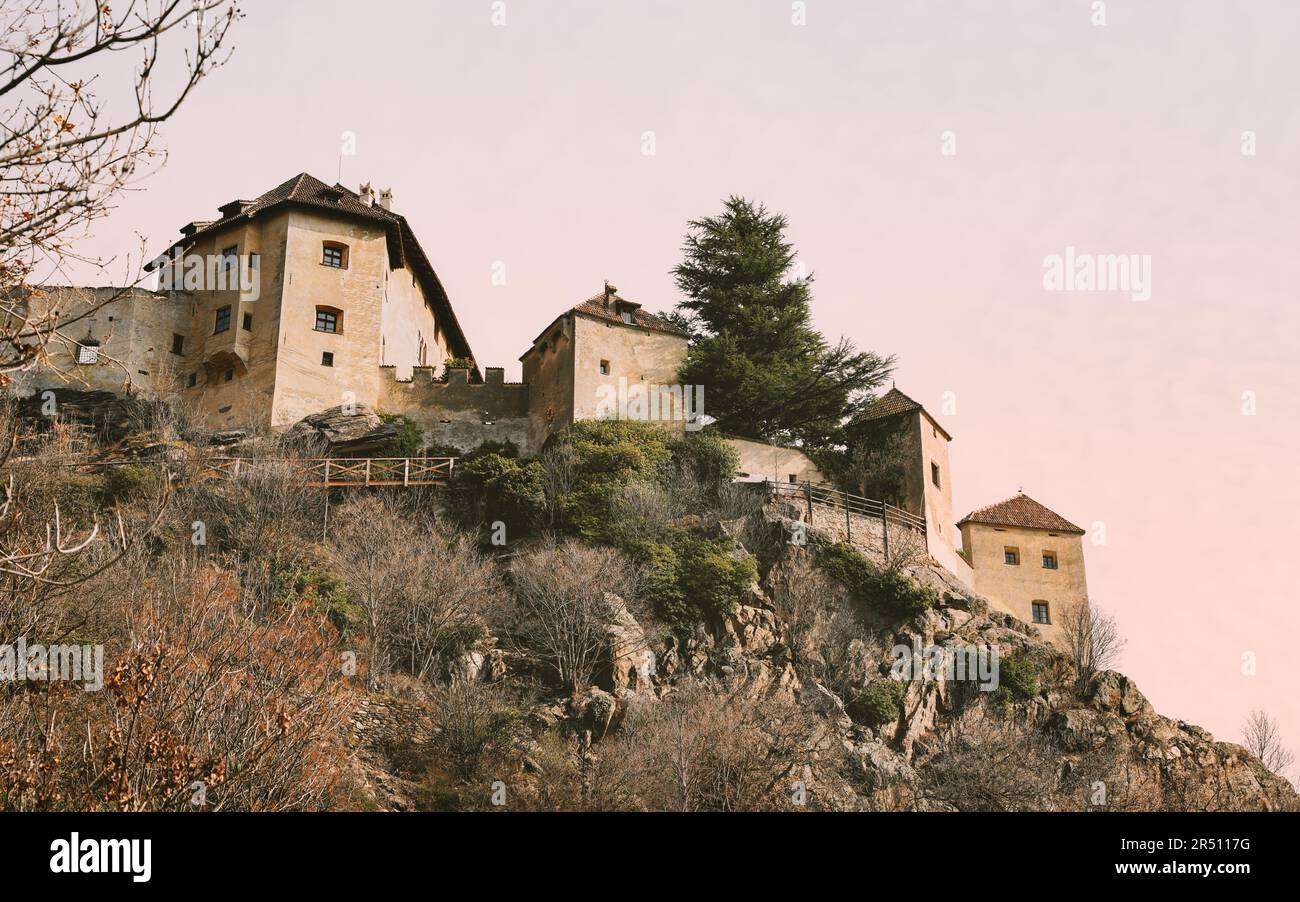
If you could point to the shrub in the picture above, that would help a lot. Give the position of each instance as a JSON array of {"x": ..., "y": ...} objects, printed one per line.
[
  {"x": 879, "y": 703},
  {"x": 706, "y": 457},
  {"x": 128, "y": 481},
  {"x": 323, "y": 593},
  {"x": 884, "y": 589},
  {"x": 508, "y": 490},
  {"x": 1017, "y": 677},
  {"x": 407, "y": 442},
  {"x": 711, "y": 577}
]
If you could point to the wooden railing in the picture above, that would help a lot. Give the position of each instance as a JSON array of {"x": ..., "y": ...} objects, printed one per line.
[
  {"x": 815, "y": 493},
  {"x": 350, "y": 471}
]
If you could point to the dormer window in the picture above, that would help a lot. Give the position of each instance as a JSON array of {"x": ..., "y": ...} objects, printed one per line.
[
  {"x": 335, "y": 254},
  {"x": 329, "y": 319},
  {"x": 627, "y": 316}
]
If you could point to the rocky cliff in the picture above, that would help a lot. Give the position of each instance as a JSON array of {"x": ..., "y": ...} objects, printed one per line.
[{"x": 1042, "y": 740}]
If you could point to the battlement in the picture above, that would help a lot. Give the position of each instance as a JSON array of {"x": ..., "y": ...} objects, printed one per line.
[{"x": 456, "y": 411}]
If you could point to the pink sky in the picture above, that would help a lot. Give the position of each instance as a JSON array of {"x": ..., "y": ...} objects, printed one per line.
[{"x": 523, "y": 144}]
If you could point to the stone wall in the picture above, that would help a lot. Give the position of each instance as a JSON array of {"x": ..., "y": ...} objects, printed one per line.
[
  {"x": 458, "y": 412},
  {"x": 132, "y": 328}
]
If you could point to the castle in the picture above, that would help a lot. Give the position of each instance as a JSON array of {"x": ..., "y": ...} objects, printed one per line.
[{"x": 312, "y": 295}]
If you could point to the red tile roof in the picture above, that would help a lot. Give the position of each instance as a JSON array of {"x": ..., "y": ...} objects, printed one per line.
[
  {"x": 1022, "y": 511},
  {"x": 891, "y": 404},
  {"x": 610, "y": 308}
]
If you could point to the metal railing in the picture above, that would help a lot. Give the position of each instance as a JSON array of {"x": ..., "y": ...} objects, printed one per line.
[
  {"x": 826, "y": 496},
  {"x": 351, "y": 471}
]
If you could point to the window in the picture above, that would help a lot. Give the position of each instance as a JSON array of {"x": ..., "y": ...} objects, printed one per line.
[
  {"x": 1011, "y": 556},
  {"x": 229, "y": 257},
  {"x": 1049, "y": 560},
  {"x": 230, "y": 374},
  {"x": 327, "y": 358},
  {"x": 178, "y": 344},
  {"x": 794, "y": 477},
  {"x": 248, "y": 322},
  {"x": 1040, "y": 612},
  {"x": 254, "y": 263},
  {"x": 627, "y": 317},
  {"x": 329, "y": 319},
  {"x": 604, "y": 367},
  {"x": 88, "y": 353},
  {"x": 934, "y": 474},
  {"x": 192, "y": 381},
  {"x": 223, "y": 320},
  {"x": 335, "y": 255}
]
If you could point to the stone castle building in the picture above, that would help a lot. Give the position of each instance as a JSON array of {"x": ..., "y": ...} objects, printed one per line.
[
  {"x": 311, "y": 296},
  {"x": 1020, "y": 555}
]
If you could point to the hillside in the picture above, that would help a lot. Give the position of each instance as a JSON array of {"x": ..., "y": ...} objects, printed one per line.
[{"x": 614, "y": 625}]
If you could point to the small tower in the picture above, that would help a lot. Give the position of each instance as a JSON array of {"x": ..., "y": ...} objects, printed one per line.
[{"x": 1027, "y": 557}]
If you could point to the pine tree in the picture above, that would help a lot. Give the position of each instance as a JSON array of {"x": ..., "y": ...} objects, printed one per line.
[{"x": 767, "y": 373}]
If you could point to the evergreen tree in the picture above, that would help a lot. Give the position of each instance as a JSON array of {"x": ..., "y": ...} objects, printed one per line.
[{"x": 767, "y": 373}]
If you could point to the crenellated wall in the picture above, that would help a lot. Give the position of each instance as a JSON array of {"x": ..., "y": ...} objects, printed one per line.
[{"x": 458, "y": 412}]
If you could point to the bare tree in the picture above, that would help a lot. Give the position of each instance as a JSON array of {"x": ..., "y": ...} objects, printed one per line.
[
  {"x": 564, "y": 610},
  {"x": 423, "y": 593},
  {"x": 66, "y": 152},
  {"x": 1263, "y": 739},
  {"x": 1092, "y": 639}
]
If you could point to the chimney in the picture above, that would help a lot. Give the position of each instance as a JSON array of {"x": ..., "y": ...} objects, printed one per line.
[
  {"x": 367, "y": 194},
  {"x": 386, "y": 198},
  {"x": 610, "y": 291}
]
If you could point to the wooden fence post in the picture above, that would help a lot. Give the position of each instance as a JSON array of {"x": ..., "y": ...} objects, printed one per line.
[
  {"x": 808, "y": 490},
  {"x": 884, "y": 528},
  {"x": 848, "y": 523}
]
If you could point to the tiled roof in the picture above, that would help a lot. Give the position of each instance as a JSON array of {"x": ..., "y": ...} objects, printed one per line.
[
  {"x": 304, "y": 190},
  {"x": 1023, "y": 511},
  {"x": 892, "y": 403},
  {"x": 597, "y": 306},
  {"x": 610, "y": 309}
]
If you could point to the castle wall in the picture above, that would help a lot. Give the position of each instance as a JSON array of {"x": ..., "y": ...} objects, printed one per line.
[
  {"x": 1017, "y": 586},
  {"x": 760, "y": 460},
  {"x": 548, "y": 373},
  {"x": 641, "y": 356},
  {"x": 134, "y": 331},
  {"x": 457, "y": 412}
]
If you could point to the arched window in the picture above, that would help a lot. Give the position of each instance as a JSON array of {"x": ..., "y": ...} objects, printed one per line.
[
  {"x": 329, "y": 319},
  {"x": 334, "y": 254}
]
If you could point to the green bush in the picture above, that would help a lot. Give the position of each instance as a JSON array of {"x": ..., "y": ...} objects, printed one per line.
[
  {"x": 876, "y": 588},
  {"x": 604, "y": 456},
  {"x": 712, "y": 579},
  {"x": 690, "y": 578},
  {"x": 128, "y": 481},
  {"x": 1017, "y": 677},
  {"x": 407, "y": 442},
  {"x": 707, "y": 457},
  {"x": 324, "y": 594},
  {"x": 506, "y": 490},
  {"x": 878, "y": 703}
]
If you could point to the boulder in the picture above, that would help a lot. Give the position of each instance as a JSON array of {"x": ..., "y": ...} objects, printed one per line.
[
  {"x": 344, "y": 430},
  {"x": 629, "y": 662}
]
